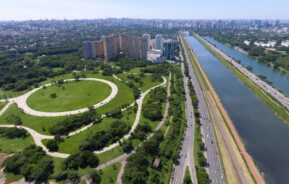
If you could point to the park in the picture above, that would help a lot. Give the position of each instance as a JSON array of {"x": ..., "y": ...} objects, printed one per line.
[{"x": 69, "y": 116}]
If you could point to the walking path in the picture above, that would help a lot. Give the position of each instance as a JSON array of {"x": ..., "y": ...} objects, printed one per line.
[
  {"x": 137, "y": 118},
  {"x": 21, "y": 101},
  {"x": 39, "y": 137}
]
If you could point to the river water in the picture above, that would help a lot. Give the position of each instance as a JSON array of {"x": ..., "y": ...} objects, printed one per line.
[
  {"x": 265, "y": 135},
  {"x": 280, "y": 80}
]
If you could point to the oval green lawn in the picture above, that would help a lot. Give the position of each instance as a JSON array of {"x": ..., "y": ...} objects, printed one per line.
[{"x": 70, "y": 96}]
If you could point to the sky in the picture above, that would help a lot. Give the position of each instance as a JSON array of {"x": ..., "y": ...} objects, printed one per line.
[{"x": 163, "y": 9}]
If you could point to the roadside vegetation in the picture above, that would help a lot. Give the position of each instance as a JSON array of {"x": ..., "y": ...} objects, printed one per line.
[
  {"x": 199, "y": 146},
  {"x": 164, "y": 145}
]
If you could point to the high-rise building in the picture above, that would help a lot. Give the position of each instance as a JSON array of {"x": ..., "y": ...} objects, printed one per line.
[
  {"x": 98, "y": 49},
  {"x": 169, "y": 49},
  {"x": 159, "y": 42},
  {"x": 144, "y": 48},
  {"x": 88, "y": 50},
  {"x": 131, "y": 46},
  {"x": 112, "y": 47},
  {"x": 148, "y": 38},
  {"x": 109, "y": 47}
]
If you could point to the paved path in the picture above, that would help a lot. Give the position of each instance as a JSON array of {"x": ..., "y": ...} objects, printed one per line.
[
  {"x": 121, "y": 171},
  {"x": 122, "y": 158},
  {"x": 137, "y": 118},
  {"x": 39, "y": 137},
  {"x": 21, "y": 101},
  {"x": 280, "y": 97}
]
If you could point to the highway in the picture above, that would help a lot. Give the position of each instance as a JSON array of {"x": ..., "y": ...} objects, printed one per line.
[
  {"x": 214, "y": 164},
  {"x": 187, "y": 147},
  {"x": 281, "y": 98}
]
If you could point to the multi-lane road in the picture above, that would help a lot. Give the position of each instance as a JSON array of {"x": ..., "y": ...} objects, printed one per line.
[
  {"x": 281, "y": 98},
  {"x": 186, "y": 153},
  {"x": 214, "y": 164}
]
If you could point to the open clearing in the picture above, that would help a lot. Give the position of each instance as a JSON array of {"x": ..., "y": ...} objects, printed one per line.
[{"x": 69, "y": 96}]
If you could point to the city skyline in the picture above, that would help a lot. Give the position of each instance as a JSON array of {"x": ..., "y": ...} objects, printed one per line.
[{"x": 184, "y": 9}]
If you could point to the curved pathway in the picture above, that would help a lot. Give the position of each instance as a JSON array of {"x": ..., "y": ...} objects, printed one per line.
[
  {"x": 39, "y": 137},
  {"x": 137, "y": 118},
  {"x": 21, "y": 101}
]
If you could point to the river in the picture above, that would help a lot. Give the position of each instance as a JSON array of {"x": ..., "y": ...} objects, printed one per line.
[
  {"x": 280, "y": 80},
  {"x": 265, "y": 135}
]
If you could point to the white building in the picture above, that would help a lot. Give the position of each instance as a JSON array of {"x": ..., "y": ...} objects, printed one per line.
[
  {"x": 285, "y": 43},
  {"x": 155, "y": 55},
  {"x": 264, "y": 44},
  {"x": 247, "y": 42}
]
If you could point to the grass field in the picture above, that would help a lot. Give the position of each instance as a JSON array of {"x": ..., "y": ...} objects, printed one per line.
[
  {"x": 144, "y": 120},
  {"x": 14, "y": 145},
  {"x": 109, "y": 174},
  {"x": 1, "y": 105},
  {"x": 70, "y": 96},
  {"x": 71, "y": 144},
  {"x": 39, "y": 124},
  {"x": 147, "y": 82}
]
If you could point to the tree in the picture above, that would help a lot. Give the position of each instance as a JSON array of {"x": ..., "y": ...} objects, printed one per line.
[
  {"x": 32, "y": 163},
  {"x": 151, "y": 146},
  {"x": 115, "y": 113},
  {"x": 73, "y": 177},
  {"x": 52, "y": 145},
  {"x": 250, "y": 68},
  {"x": 95, "y": 177},
  {"x": 82, "y": 159},
  {"x": 127, "y": 146}
]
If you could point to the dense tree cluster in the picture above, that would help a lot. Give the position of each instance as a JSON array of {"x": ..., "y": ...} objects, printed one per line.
[
  {"x": 202, "y": 175},
  {"x": 19, "y": 72},
  {"x": 141, "y": 131},
  {"x": 136, "y": 170},
  {"x": 115, "y": 113},
  {"x": 32, "y": 163},
  {"x": 99, "y": 140},
  {"x": 161, "y": 69},
  {"x": 74, "y": 122},
  {"x": 108, "y": 70},
  {"x": 82, "y": 159},
  {"x": 127, "y": 63},
  {"x": 136, "y": 91},
  {"x": 174, "y": 135},
  {"x": 12, "y": 133},
  {"x": 152, "y": 109}
]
